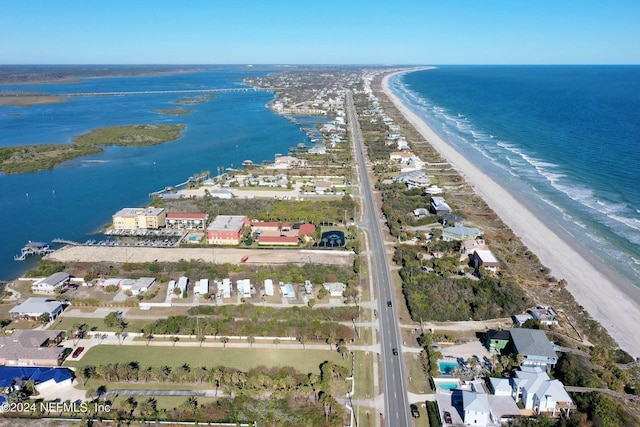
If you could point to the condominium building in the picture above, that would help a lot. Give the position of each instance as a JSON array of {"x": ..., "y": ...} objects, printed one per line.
[
  {"x": 226, "y": 229},
  {"x": 134, "y": 218}
]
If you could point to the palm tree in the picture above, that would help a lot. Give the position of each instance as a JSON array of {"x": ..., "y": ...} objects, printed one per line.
[
  {"x": 276, "y": 341},
  {"x": 251, "y": 339},
  {"x": 175, "y": 340},
  {"x": 224, "y": 341},
  {"x": 202, "y": 339}
]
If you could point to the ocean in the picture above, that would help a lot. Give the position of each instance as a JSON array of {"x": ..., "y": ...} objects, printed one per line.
[
  {"x": 564, "y": 138},
  {"x": 78, "y": 197}
]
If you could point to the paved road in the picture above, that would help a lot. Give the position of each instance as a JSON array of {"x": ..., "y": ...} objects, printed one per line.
[{"x": 395, "y": 394}]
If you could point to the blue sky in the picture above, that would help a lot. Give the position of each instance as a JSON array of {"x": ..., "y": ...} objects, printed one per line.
[{"x": 320, "y": 32}]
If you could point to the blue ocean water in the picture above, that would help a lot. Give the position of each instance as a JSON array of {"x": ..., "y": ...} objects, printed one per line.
[
  {"x": 565, "y": 138},
  {"x": 79, "y": 196}
]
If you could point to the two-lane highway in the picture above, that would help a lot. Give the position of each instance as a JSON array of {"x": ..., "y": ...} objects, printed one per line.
[{"x": 395, "y": 392}]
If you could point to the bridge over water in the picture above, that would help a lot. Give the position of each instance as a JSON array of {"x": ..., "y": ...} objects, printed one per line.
[{"x": 156, "y": 92}]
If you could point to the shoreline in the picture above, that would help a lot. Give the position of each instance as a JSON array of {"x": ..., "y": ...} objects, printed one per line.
[{"x": 605, "y": 295}]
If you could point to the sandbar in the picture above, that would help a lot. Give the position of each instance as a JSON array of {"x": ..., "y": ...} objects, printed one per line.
[{"x": 608, "y": 297}]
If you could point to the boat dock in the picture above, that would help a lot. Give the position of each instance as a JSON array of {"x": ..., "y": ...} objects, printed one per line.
[{"x": 33, "y": 248}]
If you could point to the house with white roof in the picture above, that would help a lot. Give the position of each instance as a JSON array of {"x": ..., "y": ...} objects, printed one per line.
[
  {"x": 476, "y": 408},
  {"x": 225, "y": 288},
  {"x": 537, "y": 391},
  {"x": 34, "y": 307},
  {"x": 51, "y": 284},
  {"x": 201, "y": 287},
  {"x": 268, "y": 287},
  {"x": 243, "y": 286},
  {"x": 486, "y": 259}
]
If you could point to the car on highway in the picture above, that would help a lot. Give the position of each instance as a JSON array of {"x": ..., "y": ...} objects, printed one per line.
[
  {"x": 447, "y": 417},
  {"x": 389, "y": 304},
  {"x": 394, "y": 351},
  {"x": 415, "y": 413},
  {"x": 77, "y": 352}
]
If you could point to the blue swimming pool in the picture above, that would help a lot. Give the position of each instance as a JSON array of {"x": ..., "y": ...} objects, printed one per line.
[
  {"x": 446, "y": 366},
  {"x": 448, "y": 386}
]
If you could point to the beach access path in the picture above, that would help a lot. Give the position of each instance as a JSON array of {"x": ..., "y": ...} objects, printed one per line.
[{"x": 609, "y": 298}]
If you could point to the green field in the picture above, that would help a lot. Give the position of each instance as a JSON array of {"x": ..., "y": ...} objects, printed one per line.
[{"x": 240, "y": 358}]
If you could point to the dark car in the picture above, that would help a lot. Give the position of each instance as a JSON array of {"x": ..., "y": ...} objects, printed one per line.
[
  {"x": 77, "y": 352},
  {"x": 394, "y": 351},
  {"x": 388, "y": 303},
  {"x": 415, "y": 413},
  {"x": 447, "y": 417}
]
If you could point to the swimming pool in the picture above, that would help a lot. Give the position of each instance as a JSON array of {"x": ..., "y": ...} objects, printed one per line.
[
  {"x": 448, "y": 386},
  {"x": 446, "y": 366}
]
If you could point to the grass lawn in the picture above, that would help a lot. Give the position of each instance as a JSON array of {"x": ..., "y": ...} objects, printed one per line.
[
  {"x": 240, "y": 358},
  {"x": 363, "y": 375},
  {"x": 419, "y": 382}
]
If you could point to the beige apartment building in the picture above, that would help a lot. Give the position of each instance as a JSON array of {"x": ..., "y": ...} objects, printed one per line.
[{"x": 134, "y": 218}]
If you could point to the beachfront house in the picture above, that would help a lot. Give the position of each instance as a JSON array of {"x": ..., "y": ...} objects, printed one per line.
[
  {"x": 438, "y": 206},
  {"x": 486, "y": 259},
  {"x": 534, "y": 346},
  {"x": 533, "y": 387},
  {"x": 496, "y": 341},
  {"x": 459, "y": 232}
]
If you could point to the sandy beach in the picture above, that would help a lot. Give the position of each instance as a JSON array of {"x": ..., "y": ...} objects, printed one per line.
[{"x": 609, "y": 298}]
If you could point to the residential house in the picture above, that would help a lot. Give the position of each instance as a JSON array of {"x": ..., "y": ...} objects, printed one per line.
[
  {"x": 43, "y": 378},
  {"x": 459, "y": 232},
  {"x": 243, "y": 286},
  {"x": 49, "y": 285},
  {"x": 227, "y": 229},
  {"x": 476, "y": 408},
  {"x": 183, "y": 285},
  {"x": 137, "y": 286},
  {"x": 201, "y": 287},
  {"x": 336, "y": 289},
  {"x": 268, "y": 287},
  {"x": 287, "y": 291},
  {"x": 496, "y": 341},
  {"x": 30, "y": 347},
  {"x": 540, "y": 393},
  {"x": 486, "y": 259},
  {"x": 438, "y": 206},
  {"x": 134, "y": 218},
  {"x": 420, "y": 212},
  {"x": 413, "y": 179},
  {"x": 33, "y": 308},
  {"x": 534, "y": 346}
]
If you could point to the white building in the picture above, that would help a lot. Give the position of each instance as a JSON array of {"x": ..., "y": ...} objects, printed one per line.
[
  {"x": 201, "y": 287},
  {"x": 51, "y": 284},
  {"x": 243, "y": 286},
  {"x": 268, "y": 287},
  {"x": 225, "y": 288},
  {"x": 336, "y": 289},
  {"x": 183, "y": 285},
  {"x": 137, "y": 286}
]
